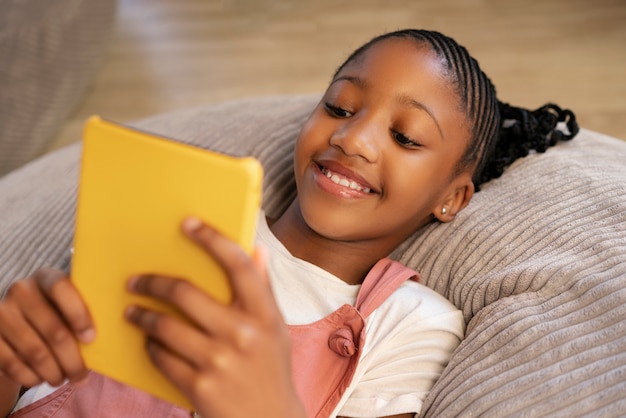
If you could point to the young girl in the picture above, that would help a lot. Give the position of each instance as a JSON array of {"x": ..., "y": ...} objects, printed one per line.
[{"x": 407, "y": 130}]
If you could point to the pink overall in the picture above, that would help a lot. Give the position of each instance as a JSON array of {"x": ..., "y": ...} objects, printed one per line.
[{"x": 325, "y": 355}]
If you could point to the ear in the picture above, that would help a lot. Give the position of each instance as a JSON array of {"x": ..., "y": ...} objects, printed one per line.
[{"x": 459, "y": 196}]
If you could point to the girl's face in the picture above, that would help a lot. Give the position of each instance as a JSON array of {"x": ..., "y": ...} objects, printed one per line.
[{"x": 375, "y": 160}]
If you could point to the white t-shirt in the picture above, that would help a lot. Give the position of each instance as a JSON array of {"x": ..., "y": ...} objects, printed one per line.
[{"x": 410, "y": 337}]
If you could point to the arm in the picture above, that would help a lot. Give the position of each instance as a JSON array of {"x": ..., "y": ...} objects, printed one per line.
[
  {"x": 224, "y": 353},
  {"x": 40, "y": 320}
]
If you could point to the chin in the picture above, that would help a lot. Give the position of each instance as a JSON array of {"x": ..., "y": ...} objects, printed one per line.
[{"x": 332, "y": 225}]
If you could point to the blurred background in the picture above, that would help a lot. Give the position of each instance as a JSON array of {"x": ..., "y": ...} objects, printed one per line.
[{"x": 165, "y": 55}]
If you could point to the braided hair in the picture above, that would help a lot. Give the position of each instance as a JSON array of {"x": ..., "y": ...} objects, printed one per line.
[{"x": 500, "y": 133}]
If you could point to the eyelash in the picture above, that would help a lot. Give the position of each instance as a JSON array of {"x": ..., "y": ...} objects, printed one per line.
[
  {"x": 400, "y": 138},
  {"x": 404, "y": 140},
  {"x": 336, "y": 111}
]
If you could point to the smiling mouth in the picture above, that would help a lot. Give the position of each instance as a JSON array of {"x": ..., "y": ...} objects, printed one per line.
[{"x": 344, "y": 181}]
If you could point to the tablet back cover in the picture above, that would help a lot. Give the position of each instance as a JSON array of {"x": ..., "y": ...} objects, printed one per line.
[{"x": 135, "y": 189}]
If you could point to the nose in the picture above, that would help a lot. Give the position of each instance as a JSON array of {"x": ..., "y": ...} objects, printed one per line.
[{"x": 357, "y": 137}]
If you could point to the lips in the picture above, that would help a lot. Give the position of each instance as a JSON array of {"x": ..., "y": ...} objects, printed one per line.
[
  {"x": 345, "y": 177},
  {"x": 344, "y": 181}
]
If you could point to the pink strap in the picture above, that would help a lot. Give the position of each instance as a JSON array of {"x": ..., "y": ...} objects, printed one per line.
[{"x": 382, "y": 280}]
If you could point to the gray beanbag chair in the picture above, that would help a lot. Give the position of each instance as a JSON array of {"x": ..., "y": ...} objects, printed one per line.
[
  {"x": 537, "y": 262},
  {"x": 50, "y": 52}
]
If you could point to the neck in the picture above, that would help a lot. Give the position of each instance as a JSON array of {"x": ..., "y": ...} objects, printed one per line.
[{"x": 348, "y": 260}]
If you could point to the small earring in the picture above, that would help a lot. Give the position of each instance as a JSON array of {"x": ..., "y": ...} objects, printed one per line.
[{"x": 444, "y": 211}]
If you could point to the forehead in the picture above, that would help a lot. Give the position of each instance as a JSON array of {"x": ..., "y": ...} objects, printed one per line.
[
  {"x": 400, "y": 64},
  {"x": 398, "y": 49},
  {"x": 400, "y": 67}
]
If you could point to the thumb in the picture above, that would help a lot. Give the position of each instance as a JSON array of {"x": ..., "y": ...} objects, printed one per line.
[{"x": 260, "y": 257}]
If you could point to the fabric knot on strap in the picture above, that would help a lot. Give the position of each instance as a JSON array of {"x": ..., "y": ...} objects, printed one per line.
[{"x": 341, "y": 341}]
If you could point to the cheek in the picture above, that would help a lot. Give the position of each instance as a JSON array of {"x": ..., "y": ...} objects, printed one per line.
[
  {"x": 301, "y": 159},
  {"x": 414, "y": 186},
  {"x": 301, "y": 153},
  {"x": 312, "y": 138}
]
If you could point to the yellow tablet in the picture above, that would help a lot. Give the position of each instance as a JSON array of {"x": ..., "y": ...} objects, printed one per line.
[{"x": 135, "y": 189}]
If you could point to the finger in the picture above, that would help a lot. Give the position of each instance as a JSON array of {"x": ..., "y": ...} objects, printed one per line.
[
  {"x": 259, "y": 259},
  {"x": 57, "y": 342},
  {"x": 60, "y": 290},
  {"x": 251, "y": 294},
  {"x": 193, "y": 303},
  {"x": 14, "y": 368},
  {"x": 181, "y": 338},
  {"x": 31, "y": 351},
  {"x": 36, "y": 333},
  {"x": 184, "y": 376},
  {"x": 213, "y": 318}
]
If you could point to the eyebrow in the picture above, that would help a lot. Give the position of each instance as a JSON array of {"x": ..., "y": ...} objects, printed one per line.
[
  {"x": 401, "y": 98},
  {"x": 409, "y": 101},
  {"x": 352, "y": 79}
]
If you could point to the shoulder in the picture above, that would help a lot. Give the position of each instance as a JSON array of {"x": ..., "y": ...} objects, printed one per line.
[
  {"x": 414, "y": 308},
  {"x": 409, "y": 340},
  {"x": 411, "y": 296},
  {"x": 420, "y": 300}
]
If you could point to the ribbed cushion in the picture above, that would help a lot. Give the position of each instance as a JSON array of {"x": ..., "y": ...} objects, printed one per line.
[
  {"x": 537, "y": 262},
  {"x": 49, "y": 53}
]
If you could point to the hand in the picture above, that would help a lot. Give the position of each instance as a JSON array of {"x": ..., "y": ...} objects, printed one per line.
[
  {"x": 230, "y": 361},
  {"x": 41, "y": 319}
]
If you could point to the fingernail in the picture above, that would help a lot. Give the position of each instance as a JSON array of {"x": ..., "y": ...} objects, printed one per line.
[
  {"x": 87, "y": 336},
  {"x": 128, "y": 312},
  {"x": 131, "y": 284},
  {"x": 192, "y": 223}
]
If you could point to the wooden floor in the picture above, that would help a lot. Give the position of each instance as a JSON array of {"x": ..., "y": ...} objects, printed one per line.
[{"x": 167, "y": 55}]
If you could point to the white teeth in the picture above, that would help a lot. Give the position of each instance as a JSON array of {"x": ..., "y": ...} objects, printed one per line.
[{"x": 335, "y": 178}]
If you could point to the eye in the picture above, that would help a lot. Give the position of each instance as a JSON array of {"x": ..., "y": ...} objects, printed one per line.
[
  {"x": 336, "y": 111},
  {"x": 404, "y": 140}
]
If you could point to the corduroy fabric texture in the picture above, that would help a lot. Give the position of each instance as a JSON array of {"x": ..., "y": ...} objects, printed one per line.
[
  {"x": 49, "y": 54},
  {"x": 537, "y": 261}
]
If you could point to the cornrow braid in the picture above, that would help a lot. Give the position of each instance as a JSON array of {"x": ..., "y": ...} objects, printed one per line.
[
  {"x": 499, "y": 133},
  {"x": 523, "y": 130}
]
